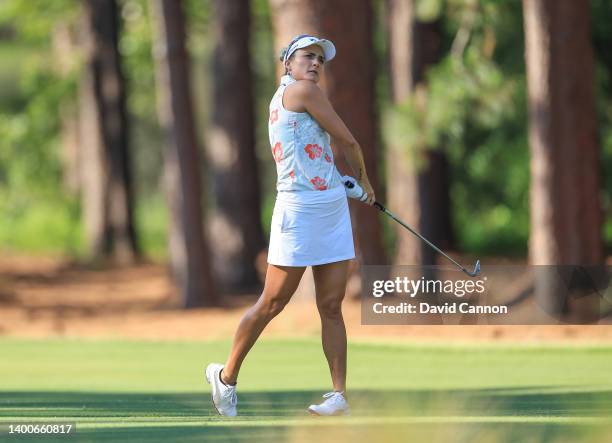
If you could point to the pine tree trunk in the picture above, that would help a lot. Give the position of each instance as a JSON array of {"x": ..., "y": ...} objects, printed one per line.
[
  {"x": 417, "y": 183},
  {"x": 236, "y": 229},
  {"x": 65, "y": 51},
  {"x": 107, "y": 196},
  {"x": 566, "y": 219},
  {"x": 189, "y": 255}
]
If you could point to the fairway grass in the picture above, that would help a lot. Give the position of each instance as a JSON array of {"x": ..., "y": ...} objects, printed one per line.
[{"x": 155, "y": 391}]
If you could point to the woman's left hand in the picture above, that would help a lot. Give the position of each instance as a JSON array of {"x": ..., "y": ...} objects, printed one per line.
[{"x": 367, "y": 188}]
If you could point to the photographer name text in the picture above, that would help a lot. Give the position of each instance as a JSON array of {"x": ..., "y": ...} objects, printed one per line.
[{"x": 446, "y": 308}]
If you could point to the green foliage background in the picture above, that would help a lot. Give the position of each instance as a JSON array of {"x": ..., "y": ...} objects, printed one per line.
[{"x": 475, "y": 110}]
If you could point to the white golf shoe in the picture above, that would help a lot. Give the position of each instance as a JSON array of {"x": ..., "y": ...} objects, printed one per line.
[
  {"x": 224, "y": 396},
  {"x": 334, "y": 404}
]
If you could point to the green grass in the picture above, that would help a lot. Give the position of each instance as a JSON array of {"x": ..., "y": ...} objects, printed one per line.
[{"x": 154, "y": 391}]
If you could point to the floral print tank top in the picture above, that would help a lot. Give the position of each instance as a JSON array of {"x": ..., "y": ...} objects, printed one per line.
[{"x": 300, "y": 147}]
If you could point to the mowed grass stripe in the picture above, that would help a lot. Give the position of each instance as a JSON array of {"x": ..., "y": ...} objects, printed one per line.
[
  {"x": 277, "y": 365},
  {"x": 328, "y": 421}
]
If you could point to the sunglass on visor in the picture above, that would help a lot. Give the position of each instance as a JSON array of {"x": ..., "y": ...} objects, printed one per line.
[{"x": 290, "y": 49}]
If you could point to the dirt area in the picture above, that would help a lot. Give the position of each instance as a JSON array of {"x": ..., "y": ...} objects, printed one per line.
[{"x": 49, "y": 297}]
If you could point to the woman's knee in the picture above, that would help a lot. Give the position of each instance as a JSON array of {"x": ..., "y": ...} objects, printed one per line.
[
  {"x": 330, "y": 308},
  {"x": 272, "y": 306}
]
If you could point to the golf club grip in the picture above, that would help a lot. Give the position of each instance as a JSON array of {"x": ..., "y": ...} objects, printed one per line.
[{"x": 379, "y": 206}]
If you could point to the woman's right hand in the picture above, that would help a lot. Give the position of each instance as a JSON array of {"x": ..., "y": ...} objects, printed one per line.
[{"x": 367, "y": 188}]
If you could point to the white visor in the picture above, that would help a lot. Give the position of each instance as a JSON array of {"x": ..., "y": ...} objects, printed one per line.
[{"x": 329, "y": 50}]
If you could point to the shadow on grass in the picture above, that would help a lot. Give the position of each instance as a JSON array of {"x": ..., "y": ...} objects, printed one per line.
[{"x": 543, "y": 414}]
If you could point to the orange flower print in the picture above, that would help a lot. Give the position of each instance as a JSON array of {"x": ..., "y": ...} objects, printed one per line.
[
  {"x": 327, "y": 158},
  {"x": 273, "y": 116},
  {"x": 292, "y": 175},
  {"x": 277, "y": 152},
  {"x": 313, "y": 150},
  {"x": 319, "y": 183},
  {"x": 309, "y": 151}
]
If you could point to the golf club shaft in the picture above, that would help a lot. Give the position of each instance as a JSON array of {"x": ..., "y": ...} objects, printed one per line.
[{"x": 434, "y": 247}]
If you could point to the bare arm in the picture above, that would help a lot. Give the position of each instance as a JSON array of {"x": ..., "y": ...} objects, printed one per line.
[
  {"x": 309, "y": 97},
  {"x": 340, "y": 160}
]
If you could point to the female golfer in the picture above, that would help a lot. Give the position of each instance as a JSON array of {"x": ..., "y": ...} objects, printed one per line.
[{"x": 311, "y": 225}]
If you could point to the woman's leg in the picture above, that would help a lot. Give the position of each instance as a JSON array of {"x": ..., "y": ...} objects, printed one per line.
[
  {"x": 330, "y": 284},
  {"x": 281, "y": 283}
]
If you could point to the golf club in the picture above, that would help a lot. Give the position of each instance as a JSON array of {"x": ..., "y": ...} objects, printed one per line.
[{"x": 379, "y": 206}]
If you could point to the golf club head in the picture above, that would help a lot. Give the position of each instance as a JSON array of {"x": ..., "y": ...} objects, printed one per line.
[{"x": 476, "y": 269}]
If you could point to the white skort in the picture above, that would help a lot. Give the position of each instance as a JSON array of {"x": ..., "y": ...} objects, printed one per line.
[{"x": 311, "y": 228}]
